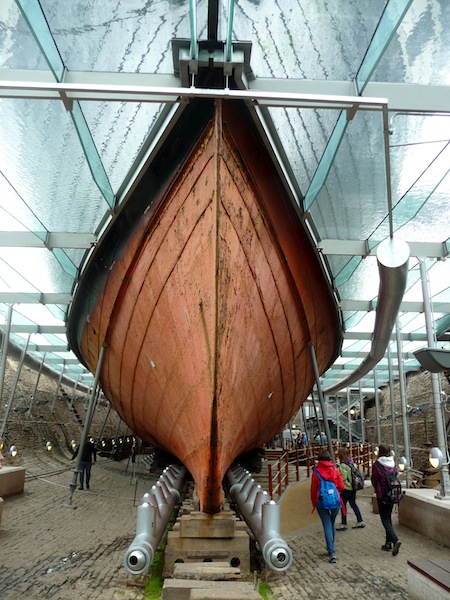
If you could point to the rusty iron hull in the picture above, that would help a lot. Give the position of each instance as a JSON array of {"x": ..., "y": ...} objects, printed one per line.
[{"x": 207, "y": 308}]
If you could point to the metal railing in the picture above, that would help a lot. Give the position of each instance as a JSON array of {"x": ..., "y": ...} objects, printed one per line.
[{"x": 293, "y": 464}]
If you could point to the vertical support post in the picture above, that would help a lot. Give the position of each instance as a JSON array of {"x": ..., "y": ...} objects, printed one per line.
[
  {"x": 100, "y": 435},
  {"x": 377, "y": 405},
  {"x": 435, "y": 385},
  {"x": 58, "y": 385},
  {"x": 269, "y": 475},
  {"x": 5, "y": 349},
  {"x": 361, "y": 414},
  {"x": 338, "y": 420},
  {"x": 13, "y": 389},
  {"x": 349, "y": 420},
  {"x": 392, "y": 397},
  {"x": 322, "y": 402},
  {"x": 87, "y": 424},
  {"x": 319, "y": 428},
  {"x": 279, "y": 477},
  {"x": 403, "y": 398},
  {"x": 33, "y": 397}
]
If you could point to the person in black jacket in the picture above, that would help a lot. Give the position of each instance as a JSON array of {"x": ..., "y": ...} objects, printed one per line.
[
  {"x": 88, "y": 454},
  {"x": 385, "y": 464}
]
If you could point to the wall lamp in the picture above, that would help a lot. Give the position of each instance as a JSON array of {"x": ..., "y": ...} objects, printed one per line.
[
  {"x": 48, "y": 446},
  {"x": 402, "y": 464},
  {"x": 1, "y": 444},
  {"x": 73, "y": 444},
  {"x": 436, "y": 458},
  {"x": 13, "y": 451},
  {"x": 376, "y": 450}
]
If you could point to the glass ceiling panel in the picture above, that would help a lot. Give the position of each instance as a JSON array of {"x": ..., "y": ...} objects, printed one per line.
[
  {"x": 27, "y": 314},
  {"x": 420, "y": 176},
  {"x": 56, "y": 177},
  {"x": 305, "y": 134},
  {"x": 10, "y": 201},
  {"x": 354, "y": 197},
  {"x": 12, "y": 280},
  {"x": 112, "y": 35},
  {"x": 364, "y": 282},
  {"x": 289, "y": 41},
  {"x": 18, "y": 48},
  {"x": 420, "y": 52},
  {"x": 119, "y": 131},
  {"x": 38, "y": 267}
]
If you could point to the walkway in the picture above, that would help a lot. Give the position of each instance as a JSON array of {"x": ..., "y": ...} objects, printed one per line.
[{"x": 51, "y": 551}]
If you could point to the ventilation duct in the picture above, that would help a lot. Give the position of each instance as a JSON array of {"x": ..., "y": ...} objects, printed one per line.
[{"x": 392, "y": 258}]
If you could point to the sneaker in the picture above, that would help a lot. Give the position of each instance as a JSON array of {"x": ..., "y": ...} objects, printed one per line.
[
  {"x": 87, "y": 486},
  {"x": 359, "y": 525},
  {"x": 341, "y": 527},
  {"x": 387, "y": 547},
  {"x": 396, "y": 548},
  {"x": 80, "y": 487},
  {"x": 333, "y": 560}
]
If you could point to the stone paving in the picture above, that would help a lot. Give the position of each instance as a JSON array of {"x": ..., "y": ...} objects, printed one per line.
[
  {"x": 48, "y": 550},
  {"x": 51, "y": 551}
]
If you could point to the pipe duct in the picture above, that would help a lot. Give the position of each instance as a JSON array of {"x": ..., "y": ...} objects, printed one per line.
[{"x": 392, "y": 258}]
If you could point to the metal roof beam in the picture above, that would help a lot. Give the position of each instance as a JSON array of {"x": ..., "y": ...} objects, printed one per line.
[
  {"x": 401, "y": 97},
  {"x": 28, "y": 239},
  {"x": 328, "y": 247},
  {"x": 332, "y": 247},
  {"x": 42, "y": 329},
  {"x": 346, "y": 305},
  {"x": 34, "y": 298},
  {"x": 136, "y": 87},
  {"x": 48, "y": 348},
  {"x": 405, "y": 306}
]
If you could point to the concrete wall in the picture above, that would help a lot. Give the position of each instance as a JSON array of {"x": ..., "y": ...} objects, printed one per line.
[{"x": 422, "y": 512}]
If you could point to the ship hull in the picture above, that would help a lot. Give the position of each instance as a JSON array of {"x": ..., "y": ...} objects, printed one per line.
[{"x": 209, "y": 308}]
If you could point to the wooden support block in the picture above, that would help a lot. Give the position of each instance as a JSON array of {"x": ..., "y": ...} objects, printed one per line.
[
  {"x": 181, "y": 589},
  {"x": 207, "y": 571},
  {"x": 219, "y": 594},
  {"x": 203, "y": 525}
]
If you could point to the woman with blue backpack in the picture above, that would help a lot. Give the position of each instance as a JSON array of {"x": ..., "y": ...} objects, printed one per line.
[{"x": 326, "y": 487}]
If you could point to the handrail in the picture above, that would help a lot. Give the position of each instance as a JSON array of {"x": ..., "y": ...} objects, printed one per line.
[{"x": 280, "y": 473}]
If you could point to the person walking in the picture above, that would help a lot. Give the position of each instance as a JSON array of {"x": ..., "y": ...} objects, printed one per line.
[
  {"x": 348, "y": 494},
  {"x": 384, "y": 465},
  {"x": 323, "y": 473},
  {"x": 88, "y": 454}
]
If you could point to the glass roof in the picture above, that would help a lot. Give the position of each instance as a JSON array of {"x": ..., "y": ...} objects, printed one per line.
[{"x": 354, "y": 97}]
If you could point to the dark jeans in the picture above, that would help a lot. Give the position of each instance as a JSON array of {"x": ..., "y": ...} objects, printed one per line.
[
  {"x": 350, "y": 497},
  {"x": 385, "y": 511},
  {"x": 328, "y": 518},
  {"x": 85, "y": 467}
]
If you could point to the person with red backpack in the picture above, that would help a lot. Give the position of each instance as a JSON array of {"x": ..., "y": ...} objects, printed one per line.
[
  {"x": 384, "y": 480},
  {"x": 326, "y": 487}
]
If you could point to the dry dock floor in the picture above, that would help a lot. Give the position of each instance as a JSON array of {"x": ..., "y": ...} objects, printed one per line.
[{"x": 48, "y": 550}]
